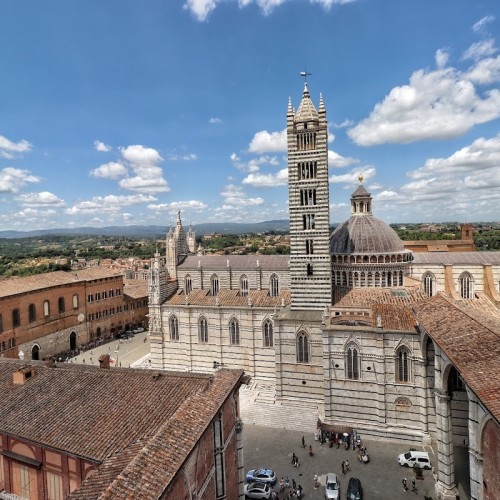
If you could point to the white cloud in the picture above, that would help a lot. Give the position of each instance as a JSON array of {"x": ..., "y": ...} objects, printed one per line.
[
  {"x": 480, "y": 26},
  {"x": 268, "y": 142},
  {"x": 42, "y": 199},
  {"x": 235, "y": 198},
  {"x": 254, "y": 164},
  {"x": 139, "y": 184},
  {"x": 441, "y": 58},
  {"x": 110, "y": 203},
  {"x": 179, "y": 205},
  {"x": 480, "y": 49},
  {"x": 100, "y": 146},
  {"x": 482, "y": 154},
  {"x": 111, "y": 170},
  {"x": 184, "y": 157},
  {"x": 336, "y": 160},
  {"x": 327, "y": 4},
  {"x": 215, "y": 121},
  {"x": 352, "y": 178},
  {"x": 32, "y": 214},
  {"x": 140, "y": 156},
  {"x": 346, "y": 123},
  {"x": 485, "y": 71},
  {"x": 13, "y": 179},
  {"x": 267, "y": 180},
  {"x": 437, "y": 104},
  {"x": 201, "y": 8},
  {"x": 8, "y": 149}
]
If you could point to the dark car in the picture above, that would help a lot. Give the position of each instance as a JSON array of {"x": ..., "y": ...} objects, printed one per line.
[{"x": 354, "y": 489}]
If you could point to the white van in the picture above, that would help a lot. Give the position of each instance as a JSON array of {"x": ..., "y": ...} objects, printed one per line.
[{"x": 412, "y": 458}]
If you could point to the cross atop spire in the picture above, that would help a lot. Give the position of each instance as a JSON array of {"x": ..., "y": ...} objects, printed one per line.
[{"x": 305, "y": 74}]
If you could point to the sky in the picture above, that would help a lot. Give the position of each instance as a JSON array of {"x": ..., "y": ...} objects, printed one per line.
[{"x": 124, "y": 111}]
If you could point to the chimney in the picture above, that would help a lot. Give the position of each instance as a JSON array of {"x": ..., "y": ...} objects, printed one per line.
[
  {"x": 104, "y": 361},
  {"x": 50, "y": 362},
  {"x": 24, "y": 373}
]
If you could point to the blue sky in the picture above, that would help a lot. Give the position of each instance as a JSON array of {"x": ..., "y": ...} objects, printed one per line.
[{"x": 124, "y": 112}]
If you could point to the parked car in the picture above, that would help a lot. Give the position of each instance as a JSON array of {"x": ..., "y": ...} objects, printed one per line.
[
  {"x": 263, "y": 475},
  {"x": 257, "y": 490},
  {"x": 354, "y": 489},
  {"x": 332, "y": 487},
  {"x": 413, "y": 458}
]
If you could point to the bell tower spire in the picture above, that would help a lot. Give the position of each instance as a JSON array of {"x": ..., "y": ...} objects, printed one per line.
[{"x": 307, "y": 134}]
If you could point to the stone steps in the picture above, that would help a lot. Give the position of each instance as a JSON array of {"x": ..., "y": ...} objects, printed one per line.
[{"x": 258, "y": 406}]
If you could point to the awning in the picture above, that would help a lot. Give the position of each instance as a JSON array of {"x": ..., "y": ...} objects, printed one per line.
[{"x": 339, "y": 429}]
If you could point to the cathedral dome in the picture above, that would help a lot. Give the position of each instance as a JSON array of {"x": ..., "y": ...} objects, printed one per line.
[{"x": 365, "y": 234}]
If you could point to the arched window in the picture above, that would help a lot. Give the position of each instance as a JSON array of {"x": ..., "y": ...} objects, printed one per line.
[
  {"x": 429, "y": 284},
  {"x": 188, "y": 284},
  {"x": 35, "y": 352},
  {"x": 75, "y": 301},
  {"x": 203, "y": 330},
  {"x": 274, "y": 286},
  {"x": 244, "y": 286},
  {"x": 352, "y": 367},
  {"x": 402, "y": 365},
  {"x": 12, "y": 343},
  {"x": 72, "y": 340},
  {"x": 302, "y": 348},
  {"x": 214, "y": 285},
  {"x": 267, "y": 333},
  {"x": 234, "y": 332},
  {"x": 46, "y": 308},
  {"x": 16, "y": 318},
  {"x": 466, "y": 286},
  {"x": 1, "y": 324},
  {"x": 31, "y": 313},
  {"x": 60, "y": 305},
  {"x": 173, "y": 324}
]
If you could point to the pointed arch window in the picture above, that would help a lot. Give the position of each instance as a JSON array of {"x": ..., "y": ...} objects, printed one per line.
[
  {"x": 353, "y": 359},
  {"x": 466, "y": 284},
  {"x": 302, "y": 348},
  {"x": 267, "y": 333},
  {"x": 244, "y": 286},
  {"x": 214, "y": 285},
  {"x": 274, "y": 286},
  {"x": 203, "y": 330},
  {"x": 188, "y": 284},
  {"x": 234, "y": 332},
  {"x": 31, "y": 313},
  {"x": 403, "y": 365},
  {"x": 173, "y": 323}
]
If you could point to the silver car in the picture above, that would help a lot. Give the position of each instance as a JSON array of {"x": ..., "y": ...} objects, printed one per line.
[
  {"x": 257, "y": 490},
  {"x": 332, "y": 487}
]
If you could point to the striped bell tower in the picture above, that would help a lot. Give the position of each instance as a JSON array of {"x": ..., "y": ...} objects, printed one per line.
[{"x": 310, "y": 271}]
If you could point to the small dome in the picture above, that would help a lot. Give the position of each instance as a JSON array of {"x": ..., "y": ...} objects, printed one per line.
[{"x": 365, "y": 235}]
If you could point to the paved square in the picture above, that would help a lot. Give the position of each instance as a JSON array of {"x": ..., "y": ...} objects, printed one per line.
[{"x": 381, "y": 478}]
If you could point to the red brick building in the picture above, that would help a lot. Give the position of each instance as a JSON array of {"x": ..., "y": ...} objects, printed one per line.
[
  {"x": 51, "y": 313},
  {"x": 80, "y": 432}
]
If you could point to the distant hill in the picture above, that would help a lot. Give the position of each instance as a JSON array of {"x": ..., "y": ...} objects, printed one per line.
[{"x": 156, "y": 231}]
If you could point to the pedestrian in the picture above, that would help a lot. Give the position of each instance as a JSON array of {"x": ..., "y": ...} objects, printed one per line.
[
  {"x": 315, "y": 482},
  {"x": 287, "y": 482},
  {"x": 282, "y": 484},
  {"x": 299, "y": 491},
  {"x": 294, "y": 485},
  {"x": 311, "y": 451},
  {"x": 405, "y": 484},
  {"x": 294, "y": 458},
  {"x": 347, "y": 465},
  {"x": 303, "y": 442},
  {"x": 413, "y": 486}
]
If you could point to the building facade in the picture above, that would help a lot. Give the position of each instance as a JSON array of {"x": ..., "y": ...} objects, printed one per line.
[{"x": 334, "y": 325}]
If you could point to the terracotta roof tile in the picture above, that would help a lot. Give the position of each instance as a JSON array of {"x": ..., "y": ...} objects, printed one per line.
[
  {"x": 239, "y": 262},
  {"x": 17, "y": 285},
  {"x": 471, "y": 341},
  {"x": 95, "y": 273}
]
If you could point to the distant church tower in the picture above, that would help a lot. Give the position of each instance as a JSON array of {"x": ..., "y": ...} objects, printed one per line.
[
  {"x": 310, "y": 271},
  {"x": 178, "y": 246}
]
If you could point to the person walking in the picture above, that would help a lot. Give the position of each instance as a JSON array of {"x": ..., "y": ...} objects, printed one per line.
[
  {"x": 303, "y": 442},
  {"x": 413, "y": 486},
  {"x": 405, "y": 484}
]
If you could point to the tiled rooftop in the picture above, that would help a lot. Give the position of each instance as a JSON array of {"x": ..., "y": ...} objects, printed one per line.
[
  {"x": 471, "y": 342},
  {"x": 454, "y": 258},
  {"x": 17, "y": 285},
  {"x": 366, "y": 297},
  {"x": 142, "y": 427},
  {"x": 230, "y": 298},
  {"x": 239, "y": 262},
  {"x": 136, "y": 289},
  {"x": 94, "y": 273}
]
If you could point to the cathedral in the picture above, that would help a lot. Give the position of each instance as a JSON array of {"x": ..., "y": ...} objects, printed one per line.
[{"x": 392, "y": 343}]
